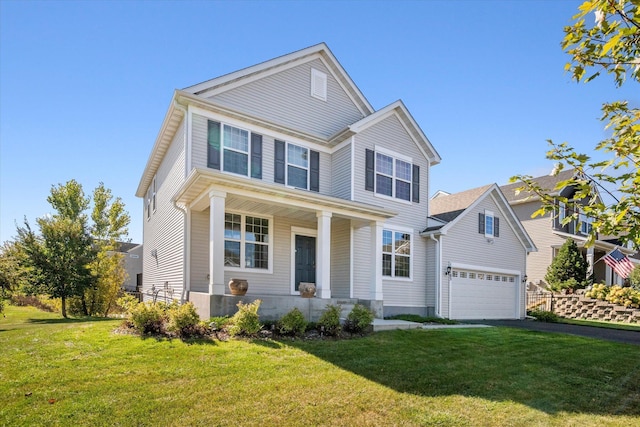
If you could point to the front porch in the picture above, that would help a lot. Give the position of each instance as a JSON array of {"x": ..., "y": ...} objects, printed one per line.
[
  {"x": 276, "y": 237},
  {"x": 273, "y": 307}
]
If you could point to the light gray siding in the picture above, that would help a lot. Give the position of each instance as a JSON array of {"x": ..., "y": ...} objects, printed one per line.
[
  {"x": 463, "y": 244},
  {"x": 285, "y": 99},
  {"x": 199, "y": 154},
  {"x": 391, "y": 135},
  {"x": 164, "y": 232},
  {"x": 200, "y": 251},
  {"x": 362, "y": 262},
  {"x": 341, "y": 173},
  {"x": 340, "y": 258}
]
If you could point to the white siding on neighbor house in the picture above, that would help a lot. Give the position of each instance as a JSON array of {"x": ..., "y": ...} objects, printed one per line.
[
  {"x": 164, "y": 232},
  {"x": 463, "y": 244},
  {"x": 541, "y": 231},
  {"x": 199, "y": 153},
  {"x": 341, "y": 173},
  {"x": 340, "y": 258},
  {"x": 285, "y": 99},
  {"x": 362, "y": 268},
  {"x": 431, "y": 271}
]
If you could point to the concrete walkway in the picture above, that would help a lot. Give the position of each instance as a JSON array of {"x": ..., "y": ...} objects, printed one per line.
[{"x": 391, "y": 324}]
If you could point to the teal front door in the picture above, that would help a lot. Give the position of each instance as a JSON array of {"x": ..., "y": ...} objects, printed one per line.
[{"x": 305, "y": 260}]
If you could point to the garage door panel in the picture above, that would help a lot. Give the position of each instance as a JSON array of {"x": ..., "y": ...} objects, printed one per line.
[{"x": 483, "y": 299}]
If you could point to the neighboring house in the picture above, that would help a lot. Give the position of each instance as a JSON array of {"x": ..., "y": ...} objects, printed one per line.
[
  {"x": 283, "y": 173},
  {"x": 481, "y": 249},
  {"x": 549, "y": 233},
  {"x": 133, "y": 265}
]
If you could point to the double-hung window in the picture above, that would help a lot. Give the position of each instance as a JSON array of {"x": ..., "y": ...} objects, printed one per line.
[
  {"x": 488, "y": 224},
  {"x": 297, "y": 166},
  {"x": 246, "y": 241},
  {"x": 585, "y": 224},
  {"x": 396, "y": 254},
  {"x": 234, "y": 150},
  {"x": 391, "y": 174},
  {"x": 393, "y": 177}
]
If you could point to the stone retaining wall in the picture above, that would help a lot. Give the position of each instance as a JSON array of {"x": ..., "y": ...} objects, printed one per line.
[{"x": 579, "y": 307}]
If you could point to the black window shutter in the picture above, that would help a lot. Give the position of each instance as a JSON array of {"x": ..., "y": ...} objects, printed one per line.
[
  {"x": 415, "y": 191},
  {"x": 481, "y": 223},
  {"x": 279, "y": 162},
  {"x": 496, "y": 226},
  {"x": 370, "y": 164},
  {"x": 314, "y": 169},
  {"x": 256, "y": 156},
  {"x": 213, "y": 145}
]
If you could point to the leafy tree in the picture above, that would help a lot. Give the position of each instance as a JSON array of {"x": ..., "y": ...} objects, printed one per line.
[
  {"x": 60, "y": 255},
  {"x": 110, "y": 222},
  {"x": 568, "y": 270},
  {"x": 611, "y": 44},
  {"x": 13, "y": 274},
  {"x": 634, "y": 278}
]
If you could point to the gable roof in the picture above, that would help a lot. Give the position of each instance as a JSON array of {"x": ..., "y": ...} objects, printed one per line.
[
  {"x": 320, "y": 50},
  {"x": 449, "y": 209},
  {"x": 546, "y": 182},
  {"x": 413, "y": 129}
]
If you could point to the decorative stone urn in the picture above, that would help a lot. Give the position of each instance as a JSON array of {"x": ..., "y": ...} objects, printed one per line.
[
  {"x": 238, "y": 286},
  {"x": 307, "y": 289}
]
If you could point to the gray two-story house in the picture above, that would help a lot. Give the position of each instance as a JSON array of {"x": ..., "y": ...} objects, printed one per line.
[{"x": 283, "y": 173}]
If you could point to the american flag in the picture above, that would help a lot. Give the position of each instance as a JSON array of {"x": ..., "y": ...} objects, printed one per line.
[{"x": 619, "y": 262}]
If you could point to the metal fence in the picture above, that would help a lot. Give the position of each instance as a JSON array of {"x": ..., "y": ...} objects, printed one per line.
[{"x": 539, "y": 301}]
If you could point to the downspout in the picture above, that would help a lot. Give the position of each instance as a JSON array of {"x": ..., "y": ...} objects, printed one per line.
[
  {"x": 438, "y": 275},
  {"x": 186, "y": 257}
]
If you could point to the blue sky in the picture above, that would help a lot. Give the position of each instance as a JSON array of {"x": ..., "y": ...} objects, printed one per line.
[{"x": 85, "y": 85}]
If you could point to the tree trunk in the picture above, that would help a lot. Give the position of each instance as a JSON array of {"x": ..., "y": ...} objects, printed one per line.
[
  {"x": 64, "y": 307},
  {"x": 84, "y": 305}
]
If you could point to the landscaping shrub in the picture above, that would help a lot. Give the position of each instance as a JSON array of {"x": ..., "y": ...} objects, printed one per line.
[
  {"x": 292, "y": 323},
  {"x": 568, "y": 270},
  {"x": 246, "y": 320},
  {"x": 218, "y": 323},
  {"x": 627, "y": 297},
  {"x": 544, "y": 316},
  {"x": 149, "y": 318},
  {"x": 329, "y": 321},
  {"x": 127, "y": 302},
  {"x": 359, "y": 319},
  {"x": 184, "y": 321}
]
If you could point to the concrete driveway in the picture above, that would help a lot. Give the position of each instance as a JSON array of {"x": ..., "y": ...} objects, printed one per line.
[{"x": 628, "y": 337}]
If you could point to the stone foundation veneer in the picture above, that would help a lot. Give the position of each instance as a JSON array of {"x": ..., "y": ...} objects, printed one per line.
[{"x": 577, "y": 306}]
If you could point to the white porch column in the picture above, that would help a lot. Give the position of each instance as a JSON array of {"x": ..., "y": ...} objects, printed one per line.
[
  {"x": 216, "y": 242},
  {"x": 376, "y": 260},
  {"x": 590, "y": 258},
  {"x": 323, "y": 256}
]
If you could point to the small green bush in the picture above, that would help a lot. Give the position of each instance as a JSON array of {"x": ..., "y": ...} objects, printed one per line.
[
  {"x": 218, "y": 323},
  {"x": 246, "y": 320},
  {"x": 127, "y": 302},
  {"x": 149, "y": 318},
  {"x": 184, "y": 320},
  {"x": 359, "y": 319},
  {"x": 544, "y": 316},
  {"x": 292, "y": 323},
  {"x": 329, "y": 322}
]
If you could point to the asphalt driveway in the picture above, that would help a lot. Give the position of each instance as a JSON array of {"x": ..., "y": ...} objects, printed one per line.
[{"x": 628, "y": 337}]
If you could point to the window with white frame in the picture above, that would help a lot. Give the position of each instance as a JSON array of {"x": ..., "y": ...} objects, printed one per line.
[
  {"x": 297, "y": 166},
  {"x": 393, "y": 177},
  {"x": 235, "y": 143},
  {"x": 488, "y": 224},
  {"x": 150, "y": 198},
  {"x": 396, "y": 254},
  {"x": 246, "y": 241},
  {"x": 585, "y": 224}
]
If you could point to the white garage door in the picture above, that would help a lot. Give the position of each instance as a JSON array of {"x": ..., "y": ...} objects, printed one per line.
[{"x": 483, "y": 295}]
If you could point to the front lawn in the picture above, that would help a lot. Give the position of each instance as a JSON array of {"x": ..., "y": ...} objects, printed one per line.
[{"x": 78, "y": 372}]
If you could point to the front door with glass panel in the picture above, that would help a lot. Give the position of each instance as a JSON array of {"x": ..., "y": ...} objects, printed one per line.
[{"x": 305, "y": 260}]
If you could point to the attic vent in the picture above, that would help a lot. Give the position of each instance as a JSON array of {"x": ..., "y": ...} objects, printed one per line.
[{"x": 318, "y": 84}]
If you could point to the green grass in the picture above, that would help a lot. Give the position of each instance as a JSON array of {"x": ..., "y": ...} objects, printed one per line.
[
  {"x": 421, "y": 319},
  {"x": 452, "y": 377},
  {"x": 607, "y": 325}
]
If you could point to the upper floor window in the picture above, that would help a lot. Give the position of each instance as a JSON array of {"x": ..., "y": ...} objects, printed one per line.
[
  {"x": 392, "y": 175},
  {"x": 150, "y": 199},
  {"x": 585, "y": 224},
  {"x": 488, "y": 224},
  {"x": 297, "y": 166},
  {"x": 396, "y": 254},
  {"x": 234, "y": 150}
]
